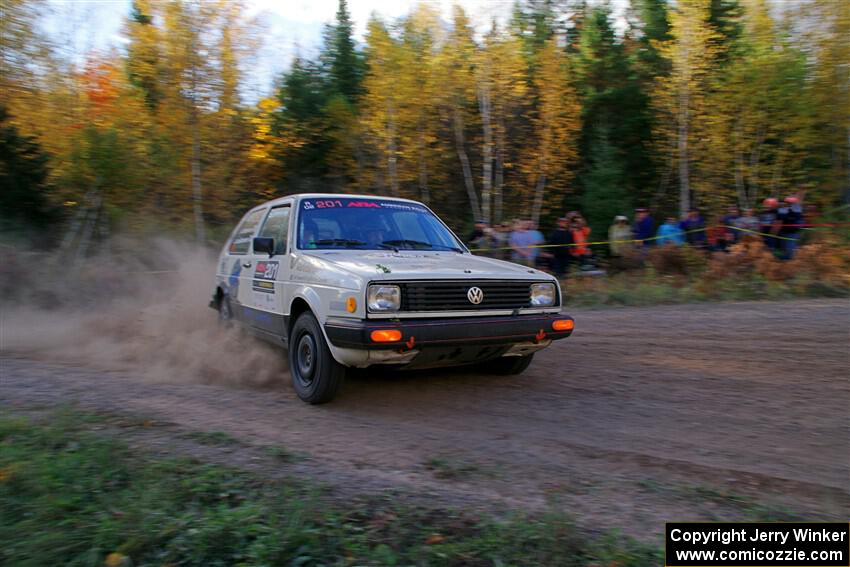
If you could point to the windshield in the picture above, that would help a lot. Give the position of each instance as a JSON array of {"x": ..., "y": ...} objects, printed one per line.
[{"x": 371, "y": 224}]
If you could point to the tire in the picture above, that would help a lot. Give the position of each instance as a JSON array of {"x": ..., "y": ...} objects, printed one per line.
[
  {"x": 508, "y": 365},
  {"x": 316, "y": 376}
]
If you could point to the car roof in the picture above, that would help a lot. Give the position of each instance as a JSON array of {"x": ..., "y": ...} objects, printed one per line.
[{"x": 298, "y": 196}]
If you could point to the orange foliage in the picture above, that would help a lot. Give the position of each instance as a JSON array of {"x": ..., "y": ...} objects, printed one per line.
[{"x": 101, "y": 87}]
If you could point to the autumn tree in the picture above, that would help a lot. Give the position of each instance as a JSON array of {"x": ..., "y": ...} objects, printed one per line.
[
  {"x": 381, "y": 102},
  {"x": 759, "y": 117},
  {"x": 502, "y": 89},
  {"x": 680, "y": 97},
  {"x": 457, "y": 75},
  {"x": 419, "y": 104},
  {"x": 827, "y": 44},
  {"x": 556, "y": 123}
]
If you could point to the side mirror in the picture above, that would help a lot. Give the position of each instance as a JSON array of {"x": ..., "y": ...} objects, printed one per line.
[{"x": 264, "y": 245}]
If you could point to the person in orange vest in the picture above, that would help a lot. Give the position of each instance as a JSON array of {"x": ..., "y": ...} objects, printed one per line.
[{"x": 580, "y": 251}]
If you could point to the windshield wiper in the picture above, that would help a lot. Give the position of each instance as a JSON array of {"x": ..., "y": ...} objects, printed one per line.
[
  {"x": 419, "y": 243},
  {"x": 337, "y": 242}
]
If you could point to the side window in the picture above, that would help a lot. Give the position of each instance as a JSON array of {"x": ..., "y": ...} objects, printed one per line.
[
  {"x": 277, "y": 227},
  {"x": 241, "y": 241}
]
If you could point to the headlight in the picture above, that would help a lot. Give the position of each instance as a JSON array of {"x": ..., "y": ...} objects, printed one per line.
[
  {"x": 383, "y": 298},
  {"x": 542, "y": 294}
]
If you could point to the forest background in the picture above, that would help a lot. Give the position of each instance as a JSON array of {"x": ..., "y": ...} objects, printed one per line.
[{"x": 701, "y": 103}]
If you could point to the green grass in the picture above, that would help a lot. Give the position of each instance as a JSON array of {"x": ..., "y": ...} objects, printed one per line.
[
  {"x": 752, "y": 509},
  {"x": 71, "y": 497},
  {"x": 212, "y": 438},
  {"x": 637, "y": 290},
  {"x": 748, "y": 507},
  {"x": 284, "y": 455},
  {"x": 450, "y": 468}
]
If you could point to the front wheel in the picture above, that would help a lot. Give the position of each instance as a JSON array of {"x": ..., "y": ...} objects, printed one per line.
[
  {"x": 316, "y": 376},
  {"x": 508, "y": 365}
]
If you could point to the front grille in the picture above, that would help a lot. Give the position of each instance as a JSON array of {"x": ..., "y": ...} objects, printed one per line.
[{"x": 451, "y": 295}]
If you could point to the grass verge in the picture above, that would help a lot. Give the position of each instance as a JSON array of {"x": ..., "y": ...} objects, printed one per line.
[{"x": 71, "y": 497}]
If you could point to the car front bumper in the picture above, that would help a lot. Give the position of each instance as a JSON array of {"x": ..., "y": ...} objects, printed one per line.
[{"x": 449, "y": 332}]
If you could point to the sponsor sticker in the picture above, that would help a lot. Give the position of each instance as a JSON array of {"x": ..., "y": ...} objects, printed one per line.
[{"x": 264, "y": 276}]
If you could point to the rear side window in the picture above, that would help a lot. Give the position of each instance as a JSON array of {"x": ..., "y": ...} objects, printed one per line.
[
  {"x": 277, "y": 227},
  {"x": 241, "y": 241}
]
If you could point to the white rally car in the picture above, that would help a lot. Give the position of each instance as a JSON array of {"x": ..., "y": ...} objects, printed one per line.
[{"x": 354, "y": 281}]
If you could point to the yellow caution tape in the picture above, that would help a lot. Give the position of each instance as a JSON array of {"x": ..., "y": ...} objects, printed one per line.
[{"x": 630, "y": 241}]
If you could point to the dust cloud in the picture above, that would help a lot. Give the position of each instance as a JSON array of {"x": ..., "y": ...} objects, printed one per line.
[{"x": 141, "y": 308}]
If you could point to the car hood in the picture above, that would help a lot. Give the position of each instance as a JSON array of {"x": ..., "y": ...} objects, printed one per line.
[{"x": 416, "y": 264}]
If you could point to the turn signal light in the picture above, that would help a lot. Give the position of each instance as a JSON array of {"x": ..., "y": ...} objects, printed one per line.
[
  {"x": 563, "y": 325},
  {"x": 386, "y": 336}
]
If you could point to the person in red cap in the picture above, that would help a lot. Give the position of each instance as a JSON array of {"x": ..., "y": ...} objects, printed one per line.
[{"x": 789, "y": 216}]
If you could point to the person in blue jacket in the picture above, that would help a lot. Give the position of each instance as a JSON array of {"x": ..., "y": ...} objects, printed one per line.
[
  {"x": 644, "y": 227},
  {"x": 669, "y": 232},
  {"x": 694, "y": 228}
]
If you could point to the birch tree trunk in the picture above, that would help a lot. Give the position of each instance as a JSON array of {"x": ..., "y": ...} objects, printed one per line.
[
  {"x": 464, "y": 161},
  {"x": 88, "y": 226},
  {"x": 424, "y": 191},
  {"x": 499, "y": 176},
  {"x": 539, "y": 190},
  {"x": 487, "y": 152},
  {"x": 847, "y": 189},
  {"x": 392, "y": 158},
  {"x": 197, "y": 194},
  {"x": 682, "y": 144},
  {"x": 740, "y": 187}
]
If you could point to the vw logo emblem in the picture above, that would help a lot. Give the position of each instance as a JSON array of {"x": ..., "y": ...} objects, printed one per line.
[{"x": 475, "y": 295}]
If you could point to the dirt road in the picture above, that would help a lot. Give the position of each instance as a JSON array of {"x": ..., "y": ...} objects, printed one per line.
[{"x": 726, "y": 411}]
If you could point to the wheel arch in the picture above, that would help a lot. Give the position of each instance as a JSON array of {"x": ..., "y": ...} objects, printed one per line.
[
  {"x": 298, "y": 306},
  {"x": 301, "y": 303}
]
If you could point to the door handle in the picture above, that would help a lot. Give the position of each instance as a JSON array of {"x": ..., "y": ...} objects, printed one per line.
[{"x": 246, "y": 264}]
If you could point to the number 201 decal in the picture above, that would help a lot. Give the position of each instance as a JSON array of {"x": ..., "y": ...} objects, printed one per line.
[
  {"x": 266, "y": 270},
  {"x": 338, "y": 204}
]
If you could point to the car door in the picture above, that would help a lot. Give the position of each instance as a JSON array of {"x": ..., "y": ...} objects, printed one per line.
[
  {"x": 237, "y": 260},
  {"x": 268, "y": 273}
]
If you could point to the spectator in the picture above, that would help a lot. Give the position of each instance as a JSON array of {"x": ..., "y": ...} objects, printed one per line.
[
  {"x": 670, "y": 233},
  {"x": 561, "y": 237},
  {"x": 481, "y": 239},
  {"x": 694, "y": 228},
  {"x": 644, "y": 227},
  {"x": 521, "y": 242},
  {"x": 501, "y": 241},
  {"x": 747, "y": 222},
  {"x": 718, "y": 236},
  {"x": 797, "y": 201},
  {"x": 477, "y": 231},
  {"x": 729, "y": 219},
  {"x": 789, "y": 230},
  {"x": 580, "y": 231},
  {"x": 618, "y": 236},
  {"x": 536, "y": 240},
  {"x": 768, "y": 220}
]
